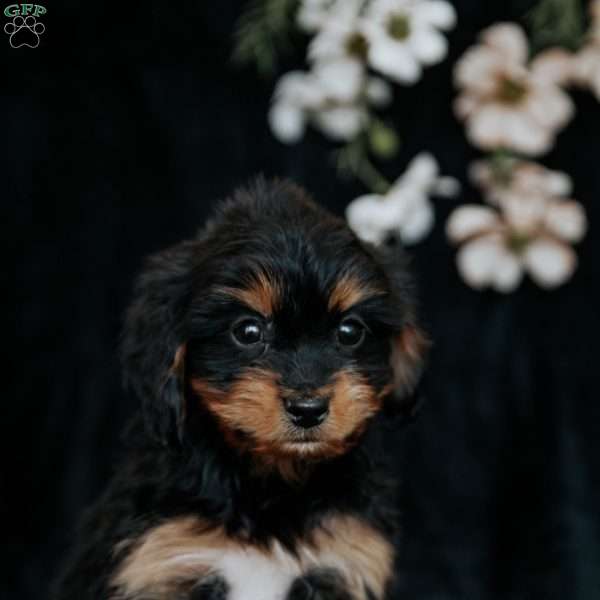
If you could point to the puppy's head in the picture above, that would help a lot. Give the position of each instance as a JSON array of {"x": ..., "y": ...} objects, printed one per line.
[{"x": 278, "y": 325}]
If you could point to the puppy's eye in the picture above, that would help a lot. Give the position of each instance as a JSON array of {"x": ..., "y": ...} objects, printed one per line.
[
  {"x": 350, "y": 333},
  {"x": 247, "y": 332}
]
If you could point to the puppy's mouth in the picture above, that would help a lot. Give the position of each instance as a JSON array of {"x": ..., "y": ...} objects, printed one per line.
[
  {"x": 300, "y": 437},
  {"x": 304, "y": 442}
]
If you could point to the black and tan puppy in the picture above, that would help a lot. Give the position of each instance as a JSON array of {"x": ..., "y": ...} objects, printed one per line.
[{"x": 263, "y": 351}]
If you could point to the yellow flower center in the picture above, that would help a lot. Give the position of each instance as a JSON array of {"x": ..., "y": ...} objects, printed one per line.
[
  {"x": 510, "y": 91},
  {"x": 399, "y": 27},
  {"x": 516, "y": 242},
  {"x": 357, "y": 45}
]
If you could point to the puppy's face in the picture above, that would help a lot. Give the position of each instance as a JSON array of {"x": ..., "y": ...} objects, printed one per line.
[
  {"x": 288, "y": 364},
  {"x": 291, "y": 334}
]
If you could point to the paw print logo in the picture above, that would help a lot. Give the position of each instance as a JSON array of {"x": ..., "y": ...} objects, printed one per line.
[{"x": 24, "y": 31}]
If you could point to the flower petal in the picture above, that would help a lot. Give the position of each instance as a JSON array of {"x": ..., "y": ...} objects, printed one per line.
[
  {"x": 554, "y": 66},
  {"x": 567, "y": 221},
  {"x": 446, "y": 187},
  {"x": 394, "y": 60},
  {"x": 549, "y": 263},
  {"x": 372, "y": 216},
  {"x": 478, "y": 262},
  {"x": 508, "y": 272},
  {"x": 311, "y": 15},
  {"x": 340, "y": 79},
  {"x": 509, "y": 39},
  {"x": 486, "y": 127},
  {"x": 437, "y": 13},
  {"x": 532, "y": 178},
  {"x": 469, "y": 220},
  {"x": 550, "y": 106},
  {"x": 428, "y": 45},
  {"x": 586, "y": 65},
  {"x": 417, "y": 222},
  {"x": 287, "y": 122},
  {"x": 524, "y": 214},
  {"x": 299, "y": 88},
  {"x": 340, "y": 122},
  {"x": 421, "y": 173},
  {"x": 494, "y": 126},
  {"x": 477, "y": 70},
  {"x": 527, "y": 136}
]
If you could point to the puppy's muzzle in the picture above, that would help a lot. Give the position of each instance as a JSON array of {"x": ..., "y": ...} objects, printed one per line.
[{"x": 307, "y": 411}]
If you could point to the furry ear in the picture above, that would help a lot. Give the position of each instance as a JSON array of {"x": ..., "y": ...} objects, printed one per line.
[
  {"x": 409, "y": 346},
  {"x": 153, "y": 342},
  {"x": 407, "y": 358}
]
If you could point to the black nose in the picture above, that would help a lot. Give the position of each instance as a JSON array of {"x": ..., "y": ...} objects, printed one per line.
[{"x": 307, "y": 412}]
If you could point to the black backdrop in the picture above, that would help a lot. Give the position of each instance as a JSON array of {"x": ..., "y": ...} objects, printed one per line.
[{"x": 117, "y": 135}]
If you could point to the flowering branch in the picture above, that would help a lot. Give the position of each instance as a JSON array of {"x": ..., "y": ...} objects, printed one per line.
[
  {"x": 353, "y": 160},
  {"x": 513, "y": 102}
]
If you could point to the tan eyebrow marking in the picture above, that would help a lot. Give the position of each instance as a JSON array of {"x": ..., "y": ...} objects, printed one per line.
[
  {"x": 348, "y": 291},
  {"x": 262, "y": 295}
]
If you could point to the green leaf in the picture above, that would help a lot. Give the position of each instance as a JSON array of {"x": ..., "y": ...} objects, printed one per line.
[
  {"x": 263, "y": 32},
  {"x": 557, "y": 23}
]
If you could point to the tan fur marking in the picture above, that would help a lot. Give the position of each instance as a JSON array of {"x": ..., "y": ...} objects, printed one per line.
[
  {"x": 353, "y": 402},
  {"x": 252, "y": 418},
  {"x": 363, "y": 555},
  {"x": 408, "y": 354},
  {"x": 251, "y": 405},
  {"x": 158, "y": 564},
  {"x": 349, "y": 291},
  {"x": 179, "y": 359},
  {"x": 263, "y": 295}
]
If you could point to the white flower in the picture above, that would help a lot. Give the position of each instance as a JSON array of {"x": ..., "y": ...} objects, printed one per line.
[
  {"x": 405, "y": 210},
  {"x": 505, "y": 102},
  {"x": 532, "y": 235},
  {"x": 404, "y": 35},
  {"x": 329, "y": 97},
  {"x": 395, "y": 37},
  {"x": 295, "y": 94},
  {"x": 511, "y": 177},
  {"x": 342, "y": 34}
]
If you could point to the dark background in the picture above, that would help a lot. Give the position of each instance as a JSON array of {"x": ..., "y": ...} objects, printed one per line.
[{"x": 117, "y": 135}]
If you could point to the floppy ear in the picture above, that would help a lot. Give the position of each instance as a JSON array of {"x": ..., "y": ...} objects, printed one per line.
[
  {"x": 407, "y": 357},
  {"x": 409, "y": 345},
  {"x": 153, "y": 343}
]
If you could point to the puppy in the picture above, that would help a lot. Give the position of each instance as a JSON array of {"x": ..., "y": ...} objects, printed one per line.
[{"x": 263, "y": 352}]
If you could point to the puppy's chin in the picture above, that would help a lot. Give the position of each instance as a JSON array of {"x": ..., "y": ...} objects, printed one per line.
[{"x": 305, "y": 449}]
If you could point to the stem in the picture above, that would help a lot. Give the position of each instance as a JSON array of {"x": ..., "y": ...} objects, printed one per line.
[
  {"x": 373, "y": 178},
  {"x": 353, "y": 160}
]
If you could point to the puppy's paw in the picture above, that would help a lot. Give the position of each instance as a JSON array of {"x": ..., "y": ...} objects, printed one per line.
[
  {"x": 319, "y": 585},
  {"x": 213, "y": 587}
]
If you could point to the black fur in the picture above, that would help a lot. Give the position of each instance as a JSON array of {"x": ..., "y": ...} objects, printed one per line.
[
  {"x": 177, "y": 461},
  {"x": 319, "y": 585}
]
